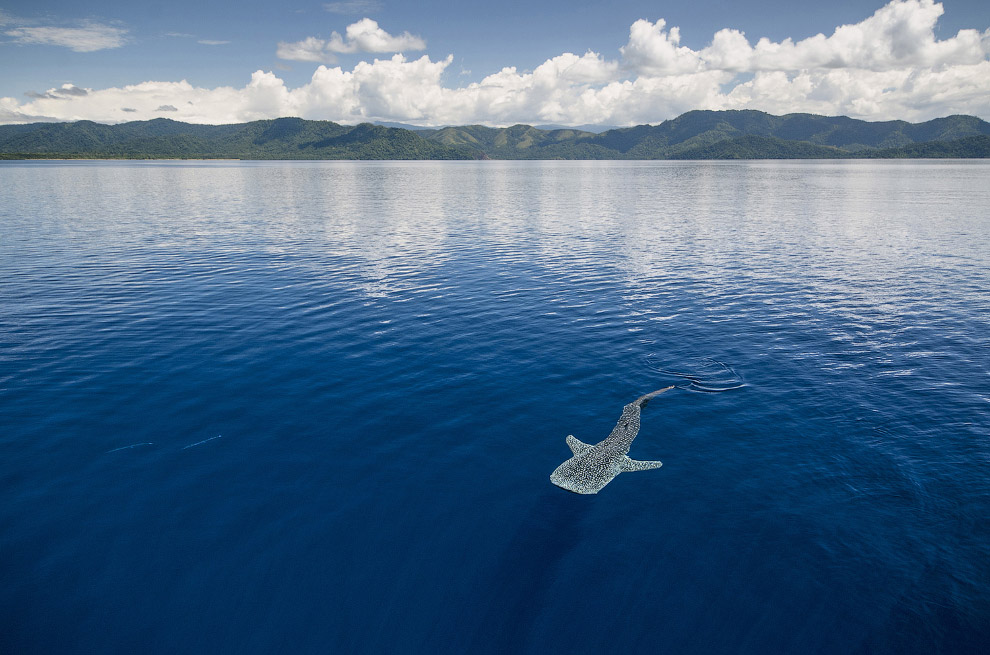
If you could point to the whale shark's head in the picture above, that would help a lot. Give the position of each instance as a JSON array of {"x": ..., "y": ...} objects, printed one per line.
[{"x": 583, "y": 474}]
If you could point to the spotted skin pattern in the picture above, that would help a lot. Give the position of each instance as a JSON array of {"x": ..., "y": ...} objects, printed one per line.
[{"x": 593, "y": 467}]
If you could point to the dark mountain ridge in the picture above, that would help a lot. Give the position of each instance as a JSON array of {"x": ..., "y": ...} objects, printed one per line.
[{"x": 737, "y": 134}]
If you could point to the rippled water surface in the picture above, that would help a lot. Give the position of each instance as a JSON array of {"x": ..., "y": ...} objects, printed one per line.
[{"x": 313, "y": 407}]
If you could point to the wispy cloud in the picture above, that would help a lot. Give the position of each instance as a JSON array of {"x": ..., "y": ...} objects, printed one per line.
[
  {"x": 363, "y": 36},
  {"x": 65, "y": 91},
  {"x": 309, "y": 49},
  {"x": 186, "y": 35},
  {"x": 354, "y": 7},
  {"x": 86, "y": 36}
]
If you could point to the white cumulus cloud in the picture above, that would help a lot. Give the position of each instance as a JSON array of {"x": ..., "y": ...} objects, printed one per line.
[
  {"x": 899, "y": 35},
  {"x": 656, "y": 51},
  {"x": 366, "y": 36},
  {"x": 889, "y": 65},
  {"x": 363, "y": 36}
]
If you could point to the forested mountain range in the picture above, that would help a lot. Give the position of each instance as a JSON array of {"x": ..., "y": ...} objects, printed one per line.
[{"x": 744, "y": 134}]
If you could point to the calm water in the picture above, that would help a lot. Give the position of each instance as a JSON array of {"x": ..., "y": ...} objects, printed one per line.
[{"x": 313, "y": 407}]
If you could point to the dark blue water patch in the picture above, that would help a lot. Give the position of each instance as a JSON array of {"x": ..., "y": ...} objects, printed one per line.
[{"x": 315, "y": 407}]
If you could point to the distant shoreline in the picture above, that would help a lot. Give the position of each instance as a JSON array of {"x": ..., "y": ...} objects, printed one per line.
[
  {"x": 696, "y": 135},
  {"x": 235, "y": 159},
  {"x": 3, "y": 158}
]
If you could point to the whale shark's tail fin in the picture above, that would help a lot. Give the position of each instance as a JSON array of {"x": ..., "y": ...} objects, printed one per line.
[{"x": 642, "y": 400}]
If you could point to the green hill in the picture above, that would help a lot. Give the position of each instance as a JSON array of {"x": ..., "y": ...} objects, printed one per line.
[
  {"x": 745, "y": 134},
  {"x": 282, "y": 138},
  {"x": 696, "y": 133},
  {"x": 970, "y": 147},
  {"x": 752, "y": 146}
]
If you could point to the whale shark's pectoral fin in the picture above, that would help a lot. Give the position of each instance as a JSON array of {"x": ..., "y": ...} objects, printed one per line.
[
  {"x": 576, "y": 445},
  {"x": 635, "y": 465}
]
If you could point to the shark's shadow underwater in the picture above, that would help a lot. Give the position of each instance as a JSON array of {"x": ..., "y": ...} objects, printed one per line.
[
  {"x": 593, "y": 466},
  {"x": 519, "y": 586}
]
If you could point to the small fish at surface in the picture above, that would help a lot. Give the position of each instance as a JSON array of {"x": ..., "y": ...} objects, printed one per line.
[
  {"x": 133, "y": 445},
  {"x": 593, "y": 467},
  {"x": 199, "y": 443}
]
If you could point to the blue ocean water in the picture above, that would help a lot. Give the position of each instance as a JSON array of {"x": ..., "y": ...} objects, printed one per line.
[{"x": 313, "y": 407}]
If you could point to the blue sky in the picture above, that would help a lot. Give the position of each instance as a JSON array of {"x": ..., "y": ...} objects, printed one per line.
[{"x": 113, "y": 61}]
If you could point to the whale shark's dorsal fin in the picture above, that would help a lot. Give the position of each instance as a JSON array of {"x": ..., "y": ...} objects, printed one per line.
[
  {"x": 628, "y": 464},
  {"x": 577, "y": 446}
]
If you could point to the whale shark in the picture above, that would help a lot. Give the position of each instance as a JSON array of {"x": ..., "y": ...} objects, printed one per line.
[{"x": 594, "y": 466}]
